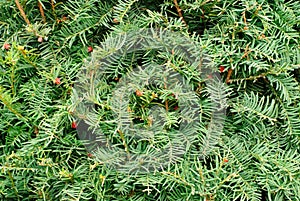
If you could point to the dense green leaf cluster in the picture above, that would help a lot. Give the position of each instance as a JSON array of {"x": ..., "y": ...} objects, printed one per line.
[{"x": 255, "y": 46}]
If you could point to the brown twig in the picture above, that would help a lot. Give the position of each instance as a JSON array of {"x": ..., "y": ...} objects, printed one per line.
[
  {"x": 179, "y": 11},
  {"x": 247, "y": 51},
  {"x": 167, "y": 102},
  {"x": 228, "y": 76},
  {"x": 263, "y": 75},
  {"x": 22, "y": 12},
  {"x": 244, "y": 18},
  {"x": 52, "y": 5},
  {"x": 123, "y": 140},
  {"x": 42, "y": 11}
]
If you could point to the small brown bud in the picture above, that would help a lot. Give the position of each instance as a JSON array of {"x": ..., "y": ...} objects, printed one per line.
[
  {"x": 6, "y": 46},
  {"x": 139, "y": 93},
  {"x": 57, "y": 81}
]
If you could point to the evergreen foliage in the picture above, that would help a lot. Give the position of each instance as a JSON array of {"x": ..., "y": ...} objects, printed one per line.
[{"x": 46, "y": 49}]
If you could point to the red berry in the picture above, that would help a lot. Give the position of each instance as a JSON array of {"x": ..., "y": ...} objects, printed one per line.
[
  {"x": 90, "y": 155},
  {"x": 222, "y": 68},
  {"x": 40, "y": 39},
  {"x": 176, "y": 107},
  {"x": 225, "y": 160},
  {"x": 138, "y": 93},
  {"x": 6, "y": 46},
  {"x": 74, "y": 124},
  {"x": 57, "y": 81},
  {"x": 90, "y": 49}
]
